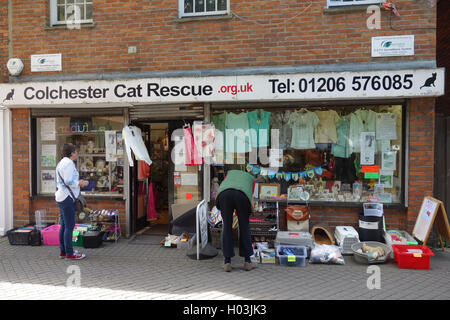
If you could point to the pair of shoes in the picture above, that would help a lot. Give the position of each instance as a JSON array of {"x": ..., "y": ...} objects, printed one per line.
[
  {"x": 76, "y": 256},
  {"x": 227, "y": 267},
  {"x": 249, "y": 266}
]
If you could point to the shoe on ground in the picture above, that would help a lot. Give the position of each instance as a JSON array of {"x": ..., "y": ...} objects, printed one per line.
[
  {"x": 249, "y": 266},
  {"x": 76, "y": 256},
  {"x": 62, "y": 255},
  {"x": 227, "y": 267}
]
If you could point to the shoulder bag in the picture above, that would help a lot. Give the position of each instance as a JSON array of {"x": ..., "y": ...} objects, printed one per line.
[{"x": 80, "y": 202}]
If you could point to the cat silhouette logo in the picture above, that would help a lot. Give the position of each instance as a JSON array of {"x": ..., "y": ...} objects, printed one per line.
[
  {"x": 430, "y": 81},
  {"x": 9, "y": 96}
]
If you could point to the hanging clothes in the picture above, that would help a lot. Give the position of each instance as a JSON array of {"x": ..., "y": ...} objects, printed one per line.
[
  {"x": 143, "y": 170},
  {"x": 258, "y": 122},
  {"x": 237, "y": 136},
  {"x": 325, "y": 132},
  {"x": 132, "y": 137},
  {"x": 151, "y": 203},
  {"x": 361, "y": 121},
  {"x": 279, "y": 121},
  {"x": 303, "y": 125},
  {"x": 204, "y": 135},
  {"x": 192, "y": 156},
  {"x": 342, "y": 148}
]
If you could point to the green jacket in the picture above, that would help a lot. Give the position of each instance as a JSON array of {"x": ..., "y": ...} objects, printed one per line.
[{"x": 238, "y": 180}]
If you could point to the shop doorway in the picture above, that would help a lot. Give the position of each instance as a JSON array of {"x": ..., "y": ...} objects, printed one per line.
[{"x": 153, "y": 189}]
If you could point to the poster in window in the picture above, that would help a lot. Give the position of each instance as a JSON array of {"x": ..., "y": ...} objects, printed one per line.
[
  {"x": 386, "y": 126},
  {"x": 389, "y": 161},
  {"x": 386, "y": 178},
  {"x": 368, "y": 144},
  {"x": 48, "y": 155},
  {"x": 111, "y": 145},
  {"x": 48, "y": 129},
  {"x": 48, "y": 181},
  {"x": 119, "y": 140}
]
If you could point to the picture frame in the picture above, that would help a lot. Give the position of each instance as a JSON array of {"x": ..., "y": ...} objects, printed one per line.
[
  {"x": 294, "y": 192},
  {"x": 386, "y": 178},
  {"x": 268, "y": 190}
]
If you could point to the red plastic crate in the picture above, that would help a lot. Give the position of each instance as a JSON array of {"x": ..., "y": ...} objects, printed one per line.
[{"x": 410, "y": 260}]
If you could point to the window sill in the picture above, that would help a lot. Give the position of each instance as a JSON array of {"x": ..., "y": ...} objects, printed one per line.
[
  {"x": 92, "y": 197},
  {"x": 347, "y": 9},
  {"x": 64, "y": 26},
  {"x": 201, "y": 18},
  {"x": 332, "y": 203}
]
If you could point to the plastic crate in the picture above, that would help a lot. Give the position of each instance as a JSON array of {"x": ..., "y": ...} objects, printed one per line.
[
  {"x": 409, "y": 257},
  {"x": 50, "y": 235},
  {"x": 298, "y": 259},
  {"x": 79, "y": 239},
  {"x": 92, "y": 239},
  {"x": 20, "y": 236}
]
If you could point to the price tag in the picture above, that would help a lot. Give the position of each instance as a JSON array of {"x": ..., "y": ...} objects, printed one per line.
[
  {"x": 291, "y": 258},
  {"x": 167, "y": 244},
  {"x": 417, "y": 255}
]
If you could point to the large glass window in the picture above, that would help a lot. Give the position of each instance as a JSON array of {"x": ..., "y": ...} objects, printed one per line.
[
  {"x": 318, "y": 154},
  {"x": 100, "y": 148}
]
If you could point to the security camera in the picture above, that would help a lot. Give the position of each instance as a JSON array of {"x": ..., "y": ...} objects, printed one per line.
[{"x": 15, "y": 66}]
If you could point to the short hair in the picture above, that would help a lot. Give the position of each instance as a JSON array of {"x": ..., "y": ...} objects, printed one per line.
[{"x": 68, "y": 149}]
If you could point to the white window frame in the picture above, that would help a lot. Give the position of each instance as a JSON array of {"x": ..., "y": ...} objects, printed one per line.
[
  {"x": 340, "y": 3},
  {"x": 181, "y": 13},
  {"x": 54, "y": 14}
]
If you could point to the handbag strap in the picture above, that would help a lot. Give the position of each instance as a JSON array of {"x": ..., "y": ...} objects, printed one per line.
[{"x": 70, "y": 190}]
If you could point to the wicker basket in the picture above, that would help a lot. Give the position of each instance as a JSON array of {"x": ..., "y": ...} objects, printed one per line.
[{"x": 216, "y": 237}]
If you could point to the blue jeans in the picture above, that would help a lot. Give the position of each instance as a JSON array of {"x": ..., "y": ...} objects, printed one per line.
[{"x": 67, "y": 222}]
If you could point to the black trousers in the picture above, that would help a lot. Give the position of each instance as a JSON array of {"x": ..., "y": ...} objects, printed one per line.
[{"x": 228, "y": 201}]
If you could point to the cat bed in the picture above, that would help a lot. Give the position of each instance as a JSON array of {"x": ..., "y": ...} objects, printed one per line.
[{"x": 321, "y": 235}]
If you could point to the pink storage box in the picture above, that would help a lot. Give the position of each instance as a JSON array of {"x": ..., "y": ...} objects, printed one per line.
[{"x": 50, "y": 235}]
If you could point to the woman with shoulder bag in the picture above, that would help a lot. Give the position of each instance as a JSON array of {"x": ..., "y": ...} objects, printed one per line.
[{"x": 68, "y": 190}]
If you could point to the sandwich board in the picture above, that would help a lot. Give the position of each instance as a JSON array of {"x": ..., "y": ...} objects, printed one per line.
[{"x": 431, "y": 212}]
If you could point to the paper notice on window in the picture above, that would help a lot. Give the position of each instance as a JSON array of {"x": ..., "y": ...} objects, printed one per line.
[
  {"x": 276, "y": 158},
  {"x": 48, "y": 181},
  {"x": 48, "y": 129},
  {"x": 48, "y": 155},
  {"x": 368, "y": 145},
  {"x": 189, "y": 179},
  {"x": 386, "y": 126},
  {"x": 111, "y": 145}
]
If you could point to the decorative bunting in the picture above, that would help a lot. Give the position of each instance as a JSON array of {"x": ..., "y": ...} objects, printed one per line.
[{"x": 287, "y": 176}]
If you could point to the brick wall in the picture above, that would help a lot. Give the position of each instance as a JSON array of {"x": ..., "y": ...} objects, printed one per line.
[
  {"x": 3, "y": 41},
  {"x": 421, "y": 155},
  {"x": 259, "y": 33}
]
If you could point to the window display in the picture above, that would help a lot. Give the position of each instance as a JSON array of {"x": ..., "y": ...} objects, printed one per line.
[
  {"x": 100, "y": 152},
  {"x": 335, "y": 154}
]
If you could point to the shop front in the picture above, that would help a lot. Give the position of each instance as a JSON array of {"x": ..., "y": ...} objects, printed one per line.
[{"x": 329, "y": 140}]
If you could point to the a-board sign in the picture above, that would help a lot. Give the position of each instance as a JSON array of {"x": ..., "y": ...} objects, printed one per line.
[
  {"x": 203, "y": 225},
  {"x": 431, "y": 212}
]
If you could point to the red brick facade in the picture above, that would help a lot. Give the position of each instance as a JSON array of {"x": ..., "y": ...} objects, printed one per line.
[{"x": 262, "y": 33}]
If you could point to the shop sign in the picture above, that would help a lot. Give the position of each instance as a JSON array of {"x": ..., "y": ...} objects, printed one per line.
[
  {"x": 393, "y": 46},
  {"x": 289, "y": 87},
  {"x": 46, "y": 62}
]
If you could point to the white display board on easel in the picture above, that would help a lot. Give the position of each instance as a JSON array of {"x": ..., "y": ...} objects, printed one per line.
[
  {"x": 431, "y": 212},
  {"x": 202, "y": 226}
]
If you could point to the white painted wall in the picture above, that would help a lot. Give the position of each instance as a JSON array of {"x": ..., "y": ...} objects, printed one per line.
[{"x": 6, "y": 208}]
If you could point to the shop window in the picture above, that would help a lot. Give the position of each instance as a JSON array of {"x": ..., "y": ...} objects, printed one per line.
[
  {"x": 337, "y": 3},
  {"x": 192, "y": 8},
  {"x": 70, "y": 12},
  {"x": 100, "y": 152},
  {"x": 317, "y": 154}
]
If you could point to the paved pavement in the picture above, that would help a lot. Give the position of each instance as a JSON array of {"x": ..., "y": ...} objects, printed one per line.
[{"x": 126, "y": 270}]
